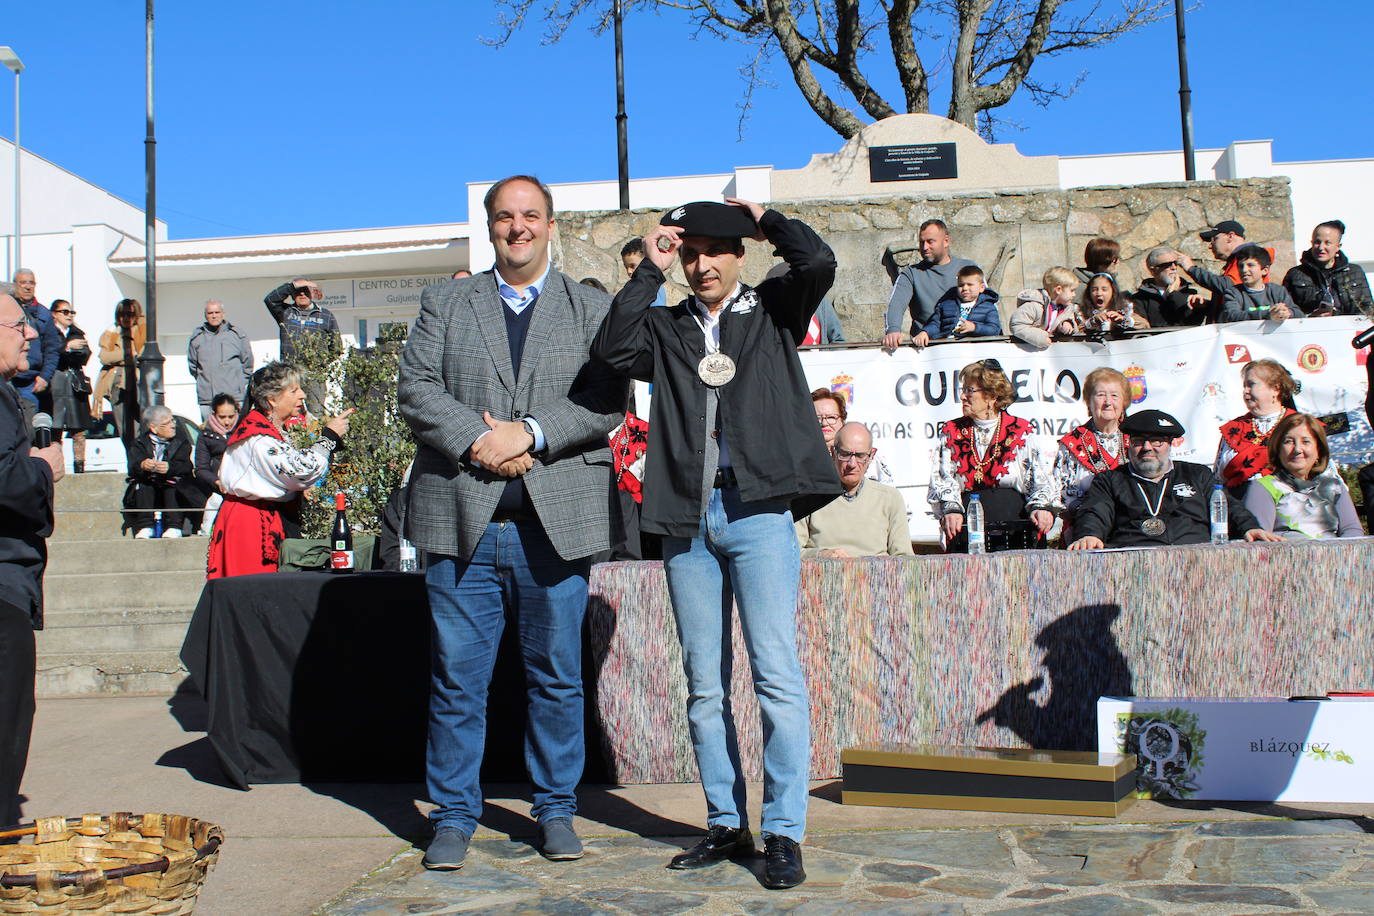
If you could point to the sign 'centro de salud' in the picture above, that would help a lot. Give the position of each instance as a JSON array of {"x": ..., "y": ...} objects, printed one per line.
[{"x": 916, "y": 162}]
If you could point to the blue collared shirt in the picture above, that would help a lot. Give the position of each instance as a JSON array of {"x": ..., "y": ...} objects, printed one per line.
[{"x": 517, "y": 301}]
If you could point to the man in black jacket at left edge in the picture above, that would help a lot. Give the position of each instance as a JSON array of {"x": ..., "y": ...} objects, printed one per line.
[{"x": 27, "y": 476}]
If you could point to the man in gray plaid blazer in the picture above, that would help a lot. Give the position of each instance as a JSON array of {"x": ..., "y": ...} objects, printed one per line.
[{"x": 510, "y": 495}]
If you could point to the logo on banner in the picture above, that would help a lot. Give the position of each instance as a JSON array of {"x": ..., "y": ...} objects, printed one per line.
[
  {"x": 843, "y": 385},
  {"x": 1312, "y": 358},
  {"x": 1168, "y": 745},
  {"x": 1237, "y": 353},
  {"x": 1135, "y": 377}
]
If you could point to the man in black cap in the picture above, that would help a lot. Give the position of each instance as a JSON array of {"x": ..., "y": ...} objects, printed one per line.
[
  {"x": 733, "y": 444},
  {"x": 1225, "y": 239},
  {"x": 1152, "y": 501}
]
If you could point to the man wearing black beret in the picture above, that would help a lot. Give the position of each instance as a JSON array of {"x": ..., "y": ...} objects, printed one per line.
[
  {"x": 1152, "y": 501},
  {"x": 734, "y": 452}
]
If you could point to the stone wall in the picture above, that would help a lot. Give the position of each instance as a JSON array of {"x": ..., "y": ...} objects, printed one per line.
[{"x": 1014, "y": 235}]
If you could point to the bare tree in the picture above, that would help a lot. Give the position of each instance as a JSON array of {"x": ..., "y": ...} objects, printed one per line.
[{"x": 988, "y": 46}]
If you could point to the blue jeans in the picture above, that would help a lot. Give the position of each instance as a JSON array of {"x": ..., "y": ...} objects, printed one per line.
[
  {"x": 514, "y": 572},
  {"x": 747, "y": 551}
]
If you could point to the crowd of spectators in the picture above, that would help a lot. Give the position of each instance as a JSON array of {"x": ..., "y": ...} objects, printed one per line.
[{"x": 935, "y": 298}]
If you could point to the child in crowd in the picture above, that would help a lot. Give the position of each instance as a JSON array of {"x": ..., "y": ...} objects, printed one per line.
[
  {"x": 1104, "y": 307},
  {"x": 968, "y": 310},
  {"x": 1043, "y": 314},
  {"x": 1254, "y": 298}
]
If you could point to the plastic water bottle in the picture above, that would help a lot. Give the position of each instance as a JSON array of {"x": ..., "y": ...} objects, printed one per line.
[
  {"x": 408, "y": 562},
  {"x": 157, "y": 524},
  {"x": 1221, "y": 531},
  {"x": 1129, "y": 321},
  {"x": 974, "y": 523}
]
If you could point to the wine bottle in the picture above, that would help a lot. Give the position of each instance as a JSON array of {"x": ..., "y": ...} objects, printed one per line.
[{"x": 341, "y": 539}]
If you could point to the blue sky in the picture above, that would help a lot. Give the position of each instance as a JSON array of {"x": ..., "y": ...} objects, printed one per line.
[{"x": 281, "y": 117}]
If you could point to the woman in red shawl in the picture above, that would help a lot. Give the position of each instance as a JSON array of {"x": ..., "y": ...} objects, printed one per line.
[
  {"x": 1268, "y": 390},
  {"x": 262, "y": 474}
]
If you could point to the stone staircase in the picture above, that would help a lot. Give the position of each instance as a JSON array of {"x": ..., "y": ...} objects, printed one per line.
[{"x": 116, "y": 608}]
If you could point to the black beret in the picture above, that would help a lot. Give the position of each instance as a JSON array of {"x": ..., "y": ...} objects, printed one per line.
[
  {"x": 1154, "y": 423},
  {"x": 712, "y": 219}
]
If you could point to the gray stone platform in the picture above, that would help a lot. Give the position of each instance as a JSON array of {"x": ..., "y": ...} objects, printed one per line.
[
  {"x": 339, "y": 849},
  {"x": 1316, "y": 866}
]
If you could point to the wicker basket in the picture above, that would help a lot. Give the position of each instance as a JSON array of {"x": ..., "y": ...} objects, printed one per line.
[{"x": 124, "y": 863}]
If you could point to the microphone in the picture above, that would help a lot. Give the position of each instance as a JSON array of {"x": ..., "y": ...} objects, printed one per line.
[
  {"x": 1363, "y": 339},
  {"x": 42, "y": 430}
]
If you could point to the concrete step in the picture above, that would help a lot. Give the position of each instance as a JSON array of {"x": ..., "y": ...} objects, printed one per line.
[
  {"x": 101, "y": 490},
  {"x": 125, "y": 554},
  {"x": 85, "y": 524},
  {"x": 123, "y": 590},
  {"x": 89, "y": 674},
  {"x": 105, "y": 639}
]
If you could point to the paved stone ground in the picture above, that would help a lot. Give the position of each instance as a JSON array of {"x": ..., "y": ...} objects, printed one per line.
[{"x": 1238, "y": 867}]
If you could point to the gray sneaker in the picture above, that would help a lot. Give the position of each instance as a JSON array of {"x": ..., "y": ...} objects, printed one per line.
[
  {"x": 447, "y": 851},
  {"x": 558, "y": 841}
]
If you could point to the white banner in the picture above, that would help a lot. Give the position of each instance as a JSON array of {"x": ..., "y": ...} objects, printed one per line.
[
  {"x": 1193, "y": 373},
  {"x": 1206, "y": 749}
]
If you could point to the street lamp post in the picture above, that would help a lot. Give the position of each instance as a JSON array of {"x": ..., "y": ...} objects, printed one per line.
[
  {"x": 12, "y": 62},
  {"x": 1185, "y": 95},
  {"x": 150, "y": 360},
  {"x": 622, "y": 142}
]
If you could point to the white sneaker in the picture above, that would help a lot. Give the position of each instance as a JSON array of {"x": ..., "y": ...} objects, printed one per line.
[
  {"x": 172, "y": 533},
  {"x": 144, "y": 534}
]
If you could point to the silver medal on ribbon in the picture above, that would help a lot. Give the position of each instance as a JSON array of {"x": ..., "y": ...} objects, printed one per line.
[
  {"x": 716, "y": 369},
  {"x": 1154, "y": 527}
]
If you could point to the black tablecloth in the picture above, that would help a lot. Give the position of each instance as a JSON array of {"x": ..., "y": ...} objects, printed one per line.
[{"x": 313, "y": 677}]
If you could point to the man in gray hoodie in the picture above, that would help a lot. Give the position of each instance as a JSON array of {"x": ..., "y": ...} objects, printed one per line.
[
  {"x": 922, "y": 285},
  {"x": 219, "y": 358}
]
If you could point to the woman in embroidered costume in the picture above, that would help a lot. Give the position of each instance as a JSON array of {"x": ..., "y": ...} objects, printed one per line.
[
  {"x": 1095, "y": 446},
  {"x": 1305, "y": 497},
  {"x": 262, "y": 473},
  {"x": 988, "y": 451},
  {"x": 1268, "y": 390}
]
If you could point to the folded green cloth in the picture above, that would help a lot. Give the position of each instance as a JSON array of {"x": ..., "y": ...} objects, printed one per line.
[{"x": 305, "y": 554}]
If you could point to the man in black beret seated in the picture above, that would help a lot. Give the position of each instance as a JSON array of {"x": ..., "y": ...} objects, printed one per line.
[
  {"x": 734, "y": 451},
  {"x": 1151, "y": 501}
]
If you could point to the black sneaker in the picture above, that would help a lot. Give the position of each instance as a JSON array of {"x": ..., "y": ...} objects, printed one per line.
[
  {"x": 558, "y": 841},
  {"x": 721, "y": 843},
  {"x": 782, "y": 862},
  {"x": 447, "y": 851}
]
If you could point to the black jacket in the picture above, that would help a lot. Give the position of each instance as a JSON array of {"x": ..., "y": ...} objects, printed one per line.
[
  {"x": 1163, "y": 310},
  {"x": 1311, "y": 286},
  {"x": 1113, "y": 508},
  {"x": 766, "y": 416},
  {"x": 210, "y": 447},
  {"x": 25, "y": 512},
  {"x": 73, "y": 359},
  {"x": 178, "y": 458}
]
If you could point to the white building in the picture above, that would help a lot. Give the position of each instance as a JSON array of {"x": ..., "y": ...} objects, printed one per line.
[{"x": 86, "y": 245}]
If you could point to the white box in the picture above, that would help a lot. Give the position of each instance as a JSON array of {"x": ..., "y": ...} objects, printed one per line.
[{"x": 1266, "y": 749}]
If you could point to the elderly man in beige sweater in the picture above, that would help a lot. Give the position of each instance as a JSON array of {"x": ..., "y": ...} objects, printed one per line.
[{"x": 868, "y": 520}]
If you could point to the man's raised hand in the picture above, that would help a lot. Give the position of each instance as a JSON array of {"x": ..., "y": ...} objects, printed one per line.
[{"x": 661, "y": 245}]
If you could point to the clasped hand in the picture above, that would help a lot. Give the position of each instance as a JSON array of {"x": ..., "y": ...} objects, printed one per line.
[{"x": 506, "y": 449}]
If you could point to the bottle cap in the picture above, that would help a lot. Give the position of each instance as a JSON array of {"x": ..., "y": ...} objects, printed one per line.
[{"x": 339, "y": 501}]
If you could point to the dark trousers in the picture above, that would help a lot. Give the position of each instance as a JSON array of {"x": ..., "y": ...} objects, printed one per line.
[
  {"x": 147, "y": 499},
  {"x": 17, "y": 668},
  {"x": 1366, "y": 481}
]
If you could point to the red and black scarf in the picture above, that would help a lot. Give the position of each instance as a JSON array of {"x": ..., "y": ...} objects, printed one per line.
[
  {"x": 254, "y": 423},
  {"x": 1087, "y": 450},
  {"x": 982, "y": 473},
  {"x": 1251, "y": 447},
  {"x": 628, "y": 443}
]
